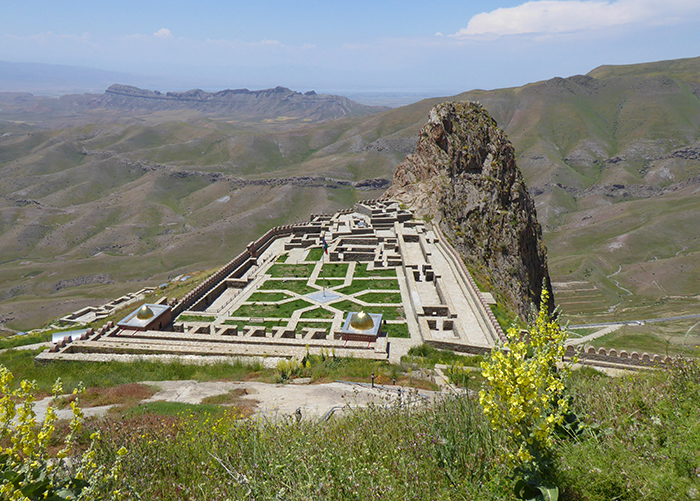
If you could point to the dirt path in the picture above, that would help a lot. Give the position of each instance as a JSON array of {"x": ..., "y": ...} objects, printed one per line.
[{"x": 270, "y": 400}]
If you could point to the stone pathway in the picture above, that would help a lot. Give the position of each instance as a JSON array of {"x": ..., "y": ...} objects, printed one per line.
[{"x": 591, "y": 337}]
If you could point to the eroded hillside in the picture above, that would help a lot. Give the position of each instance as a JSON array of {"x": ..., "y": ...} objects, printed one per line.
[{"x": 612, "y": 159}]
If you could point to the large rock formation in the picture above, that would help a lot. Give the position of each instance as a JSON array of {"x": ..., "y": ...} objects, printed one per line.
[
  {"x": 268, "y": 103},
  {"x": 463, "y": 174}
]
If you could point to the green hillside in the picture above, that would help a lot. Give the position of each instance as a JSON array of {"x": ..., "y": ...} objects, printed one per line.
[{"x": 109, "y": 202}]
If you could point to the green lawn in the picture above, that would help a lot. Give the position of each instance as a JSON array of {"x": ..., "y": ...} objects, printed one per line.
[
  {"x": 329, "y": 282},
  {"x": 315, "y": 325},
  {"x": 361, "y": 271},
  {"x": 347, "y": 305},
  {"x": 370, "y": 284},
  {"x": 269, "y": 297},
  {"x": 284, "y": 310},
  {"x": 290, "y": 270},
  {"x": 381, "y": 297},
  {"x": 396, "y": 330},
  {"x": 314, "y": 254},
  {"x": 267, "y": 323},
  {"x": 333, "y": 270},
  {"x": 388, "y": 312},
  {"x": 318, "y": 313},
  {"x": 298, "y": 286},
  {"x": 195, "y": 318}
]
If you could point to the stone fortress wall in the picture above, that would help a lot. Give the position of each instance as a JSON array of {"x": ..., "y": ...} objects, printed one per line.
[{"x": 442, "y": 305}]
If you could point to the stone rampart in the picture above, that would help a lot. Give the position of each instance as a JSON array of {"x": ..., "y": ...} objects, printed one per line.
[
  {"x": 223, "y": 273},
  {"x": 613, "y": 358},
  {"x": 458, "y": 260}
]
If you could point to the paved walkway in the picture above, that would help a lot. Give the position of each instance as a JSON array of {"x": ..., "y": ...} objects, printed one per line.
[
  {"x": 35, "y": 346},
  {"x": 591, "y": 337}
]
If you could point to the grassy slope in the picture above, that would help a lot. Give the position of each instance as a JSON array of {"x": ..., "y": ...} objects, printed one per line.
[{"x": 640, "y": 439}]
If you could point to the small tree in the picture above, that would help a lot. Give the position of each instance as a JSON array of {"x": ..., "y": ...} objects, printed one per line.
[
  {"x": 525, "y": 398},
  {"x": 27, "y": 470}
]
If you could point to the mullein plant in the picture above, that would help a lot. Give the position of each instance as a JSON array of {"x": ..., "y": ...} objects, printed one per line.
[
  {"x": 28, "y": 472},
  {"x": 525, "y": 398}
]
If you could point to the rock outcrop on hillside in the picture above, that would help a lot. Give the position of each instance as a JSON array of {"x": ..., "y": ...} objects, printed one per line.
[
  {"x": 268, "y": 103},
  {"x": 463, "y": 174}
]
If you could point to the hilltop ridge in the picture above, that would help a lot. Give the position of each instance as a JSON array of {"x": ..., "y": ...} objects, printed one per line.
[
  {"x": 266, "y": 103},
  {"x": 611, "y": 159}
]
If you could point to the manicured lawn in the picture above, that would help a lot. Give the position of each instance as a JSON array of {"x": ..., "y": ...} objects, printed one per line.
[
  {"x": 314, "y": 254},
  {"x": 396, "y": 330},
  {"x": 267, "y": 323},
  {"x": 195, "y": 318},
  {"x": 361, "y": 271},
  {"x": 370, "y": 284},
  {"x": 298, "y": 286},
  {"x": 291, "y": 270},
  {"x": 328, "y": 283},
  {"x": 269, "y": 297},
  {"x": 284, "y": 310},
  {"x": 318, "y": 313},
  {"x": 315, "y": 325},
  {"x": 381, "y": 297},
  {"x": 347, "y": 305},
  {"x": 331, "y": 270},
  {"x": 388, "y": 312}
]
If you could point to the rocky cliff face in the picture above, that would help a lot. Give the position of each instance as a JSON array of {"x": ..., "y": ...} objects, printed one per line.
[
  {"x": 268, "y": 103},
  {"x": 463, "y": 174}
]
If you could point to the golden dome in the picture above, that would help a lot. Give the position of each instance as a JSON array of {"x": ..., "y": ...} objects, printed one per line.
[
  {"x": 361, "y": 321},
  {"x": 144, "y": 313}
]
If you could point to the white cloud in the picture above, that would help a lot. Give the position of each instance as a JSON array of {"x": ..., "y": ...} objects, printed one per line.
[
  {"x": 355, "y": 46},
  {"x": 271, "y": 43},
  {"x": 163, "y": 33},
  {"x": 565, "y": 16}
]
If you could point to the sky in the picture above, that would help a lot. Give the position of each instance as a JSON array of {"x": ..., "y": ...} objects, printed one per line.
[{"x": 434, "y": 47}]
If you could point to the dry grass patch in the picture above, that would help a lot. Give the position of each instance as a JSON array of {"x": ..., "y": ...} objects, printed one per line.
[
  {"x": 234, "y": 398},
  {"x": 124, "y": 395}
]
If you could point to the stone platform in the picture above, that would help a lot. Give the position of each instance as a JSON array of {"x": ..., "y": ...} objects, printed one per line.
[{"x": 269, "y": 300}]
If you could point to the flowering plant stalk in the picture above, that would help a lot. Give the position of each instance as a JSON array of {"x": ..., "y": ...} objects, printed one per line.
[
  {"x": 525, "y": 398},
  {"x": 27, "y": 470}
]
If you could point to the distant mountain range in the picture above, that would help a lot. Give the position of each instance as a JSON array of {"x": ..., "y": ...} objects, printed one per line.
[
  {"x": 268, "y": 103},
  {"x": 280, "y": 104}
]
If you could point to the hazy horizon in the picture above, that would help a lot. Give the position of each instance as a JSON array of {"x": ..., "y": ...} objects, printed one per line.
[{"x": 364, "y": 47}]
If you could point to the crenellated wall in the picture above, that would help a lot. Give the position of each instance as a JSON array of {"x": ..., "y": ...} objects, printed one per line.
[
  {"x": 258, "y": 246},
  {"x": 612, "y": 357}
]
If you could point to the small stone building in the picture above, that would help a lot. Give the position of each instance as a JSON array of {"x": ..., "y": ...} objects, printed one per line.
[{"x": 149, "y": 317}]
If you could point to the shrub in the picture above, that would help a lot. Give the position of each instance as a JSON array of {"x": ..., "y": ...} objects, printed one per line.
[
  {"x": 27, "y": 471},
  {"x": 525, "y": 398}
]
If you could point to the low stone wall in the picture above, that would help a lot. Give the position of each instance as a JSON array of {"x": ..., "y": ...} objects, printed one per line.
[
  {"x": 257, "y": 246},
  {"x": 612, "y": 357}
]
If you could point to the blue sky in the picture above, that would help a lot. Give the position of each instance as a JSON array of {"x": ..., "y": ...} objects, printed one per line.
[{"x": 439, "y": 47}]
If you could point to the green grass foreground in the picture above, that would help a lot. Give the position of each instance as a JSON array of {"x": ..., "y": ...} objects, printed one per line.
[
  {"x": 641, "y": 441},
  {"x": 380, "y": 452}
]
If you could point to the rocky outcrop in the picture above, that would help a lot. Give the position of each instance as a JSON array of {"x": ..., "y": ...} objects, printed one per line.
[
  {"x": 268, "y": 103},
  {"x": 463, "y": 174}
]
